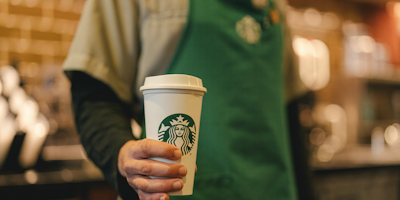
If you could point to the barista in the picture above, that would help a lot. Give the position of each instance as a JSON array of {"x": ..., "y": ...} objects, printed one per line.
[{"x": 236, "y": 47}]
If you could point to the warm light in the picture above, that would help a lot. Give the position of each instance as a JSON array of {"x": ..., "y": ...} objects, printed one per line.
[
  {"x": 314, "y": 66},
  {"x": 17, "y": 98},
  {"x": 354, "y": 44},
  {"x": 10, "y": 79},
  {"x": 358, "y": 43},
  {"x": 333, "y": 113},
  {"x": 325, "y": 153},
  {"x": 60, "y": 26},
  {"x": 26, "y": 24},
  {"x": 46, "y": 23},
  {"x": 11, "y": 21},
  {"x": 349, "y": 28},
  {"x": 302, "y": 46},
  {"x": 31, "y": 3},
  {"x": 64, "y": 152},
  {"x": 391, "y": 135},
  {"x": 366, "y": 44},
  {"x": 27, "y": 114},
  {"x": 396, "y": 9},
  {"x": 337, "y": 116},
  {"x": 34, "y": 139},
  {"x": 1, "y": 88},
  {"x": 322, "y": 65},
  {"x": 3, "y": 108},
  {"x": 23, "y": 45},
  {"x": 307, "y": 69},
  {"x": 31, "y": 176},
  {"x": 335, "y": 142},
  {"x": 363, "y": 55},
  {"x": 397, "y": 126},
  {"x": 312, "y": 17},
  {"x": 15, "y": 2},
  {"x": 136, "y": 129},
  {"x": 363, "y": 43},
  {"x": 393, "y": 9},
  {"x": 48, "y": 5},
  {"x": 294, "y": 18},
  {"x": 78, "y": 7},
  {"x": 380, "y": 53},
  {"x": 65, "y": 5},
  {"x": 67, "y": 175},
  {"x": 42, "y": 126},
  {"x": 377, "y": 141},
  {"x": 39, "y": 130}
]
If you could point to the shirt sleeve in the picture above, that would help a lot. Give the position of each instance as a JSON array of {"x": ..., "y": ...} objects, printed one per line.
[
  {"x": 102, "y": 65},
  {"x": 103, "y": 124},
  {"x": 117, "y": 44},
  {"x": 106, "y": 44}
]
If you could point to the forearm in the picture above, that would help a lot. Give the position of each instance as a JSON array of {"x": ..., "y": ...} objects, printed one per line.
[{"x": 103, "y": 123}]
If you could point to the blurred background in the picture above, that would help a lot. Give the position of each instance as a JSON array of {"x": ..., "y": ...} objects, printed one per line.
[
  {"x": 40, "y": 153},
  {"x": 349, "y": 57}
]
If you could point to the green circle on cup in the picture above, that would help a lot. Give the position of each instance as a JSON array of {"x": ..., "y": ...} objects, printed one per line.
[{"x": 179, "y": 130}]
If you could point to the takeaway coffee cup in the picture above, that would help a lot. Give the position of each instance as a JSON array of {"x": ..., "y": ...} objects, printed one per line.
[{"x": 172, "y": 105}]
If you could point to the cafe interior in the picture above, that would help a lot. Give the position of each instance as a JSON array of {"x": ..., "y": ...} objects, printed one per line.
[{"x": 348, "y": 52}]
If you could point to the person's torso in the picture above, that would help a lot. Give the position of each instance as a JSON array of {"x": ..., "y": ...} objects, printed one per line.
[{"x": 236, "y": 50}]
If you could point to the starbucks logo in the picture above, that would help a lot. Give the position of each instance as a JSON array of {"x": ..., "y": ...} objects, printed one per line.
[
  {"x": 249, "y": 29},
  {"x": 178, "y": 130}
]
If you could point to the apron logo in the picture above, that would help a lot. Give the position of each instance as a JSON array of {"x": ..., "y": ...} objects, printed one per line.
[
  {"x": 178, "y": 130},
  {"x": 249, "y": 29}
]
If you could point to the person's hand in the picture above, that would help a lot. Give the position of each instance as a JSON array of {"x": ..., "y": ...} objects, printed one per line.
[{"x": 133, "y": 163}]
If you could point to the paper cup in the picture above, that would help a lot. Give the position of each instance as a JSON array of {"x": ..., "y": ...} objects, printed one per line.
[{"x": 172, "y": 105}]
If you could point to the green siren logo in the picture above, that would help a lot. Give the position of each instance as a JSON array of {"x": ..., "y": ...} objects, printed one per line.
[{"x": 178, "y": 130}]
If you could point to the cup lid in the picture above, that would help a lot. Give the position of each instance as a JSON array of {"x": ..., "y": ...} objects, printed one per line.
[{"x": 173, "y": 81}]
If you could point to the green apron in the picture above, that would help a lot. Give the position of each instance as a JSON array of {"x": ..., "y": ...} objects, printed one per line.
[{"x": 243, "y": 150}]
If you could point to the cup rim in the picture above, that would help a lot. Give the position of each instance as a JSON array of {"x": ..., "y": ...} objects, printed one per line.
[{"x": 174, "y": 82}]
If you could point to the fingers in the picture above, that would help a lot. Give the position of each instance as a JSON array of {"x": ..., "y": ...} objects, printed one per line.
[
  {"x": 151, "y": 148},
  {"x": 152, "y": 196},
  {"x": 154, "y": 168},
  {"x": 148, "y": 185},
  {"x": 133, "y": 163}
]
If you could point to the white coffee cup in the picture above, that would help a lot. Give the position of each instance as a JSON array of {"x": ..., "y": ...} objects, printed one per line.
[{"x": 172, "y": 105}]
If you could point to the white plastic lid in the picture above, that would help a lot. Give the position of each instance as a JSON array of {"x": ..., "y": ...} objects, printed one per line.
[{"x": 173, "y": 81}]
